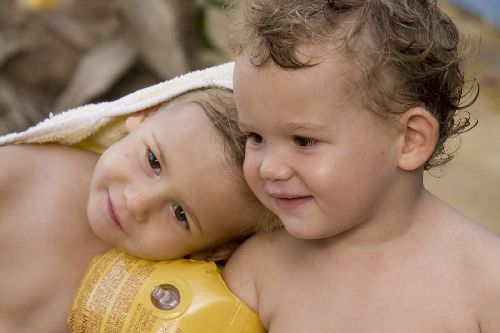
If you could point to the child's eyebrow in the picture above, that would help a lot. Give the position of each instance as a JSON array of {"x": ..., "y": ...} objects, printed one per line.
[
  {"x": 164, "y": 163},
  {"x": 305, "y": 126},
  {"x": 160, "y": 151},
  {"x": 241, "y": 123}
]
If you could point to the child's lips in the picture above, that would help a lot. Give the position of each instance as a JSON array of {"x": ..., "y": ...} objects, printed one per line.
[
  {"x": 112, "y": 213},
  {"x": 291, "y": 202}
]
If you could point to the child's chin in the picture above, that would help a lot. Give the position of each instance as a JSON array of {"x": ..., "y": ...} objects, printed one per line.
[
  {"x": 102, "y": 231},
  {"x": 303, "y": 231}
]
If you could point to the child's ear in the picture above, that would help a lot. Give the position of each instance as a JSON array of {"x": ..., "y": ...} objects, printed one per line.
[
  {"x": 137, "y": 118},
  {"x": 134, "y": 120},
  {"x": 420, "y": 135}
]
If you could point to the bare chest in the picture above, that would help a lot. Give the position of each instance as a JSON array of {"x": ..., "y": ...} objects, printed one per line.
[{"x": 408, "y": 298}]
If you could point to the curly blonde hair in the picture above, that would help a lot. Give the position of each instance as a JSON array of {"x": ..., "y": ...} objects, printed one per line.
[{"x": 402, "y": 53}]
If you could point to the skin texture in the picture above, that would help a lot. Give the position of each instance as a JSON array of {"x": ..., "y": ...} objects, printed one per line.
[
  {"x": 47, "y": 240},
  {"x": 366, "y": 248}
]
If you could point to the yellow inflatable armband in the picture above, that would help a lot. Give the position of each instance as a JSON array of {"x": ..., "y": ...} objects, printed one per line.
[{"x": 124, "y": 294}]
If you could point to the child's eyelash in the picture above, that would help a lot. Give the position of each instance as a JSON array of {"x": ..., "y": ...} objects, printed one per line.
[
  {"x": 303, "y": 141},
  {"x": 152, "y": 160},
  {"x": 181, "y": 216},
  {"x": 254, "y": 138}
]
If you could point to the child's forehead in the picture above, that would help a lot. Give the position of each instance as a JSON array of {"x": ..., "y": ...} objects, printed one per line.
[
  {"x": 180, "y": 109},
  {"x": 173, "y": 104},
  {"x": 326, "y": 69},
  {"x": 184, "y": 121}
]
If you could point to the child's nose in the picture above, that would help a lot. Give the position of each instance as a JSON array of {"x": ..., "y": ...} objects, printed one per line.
[
  {"x": 274, "y": 166},
  {"x": 141, "y": 201}
]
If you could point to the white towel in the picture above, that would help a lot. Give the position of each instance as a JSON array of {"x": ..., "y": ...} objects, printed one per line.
[{"x": 75, "y": 125}]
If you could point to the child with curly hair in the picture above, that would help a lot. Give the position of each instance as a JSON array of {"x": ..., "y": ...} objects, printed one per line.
[{"x": 345, "y": 104}]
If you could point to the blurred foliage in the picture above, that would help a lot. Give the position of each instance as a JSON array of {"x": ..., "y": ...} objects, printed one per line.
[{"x": 58, "y": 55}]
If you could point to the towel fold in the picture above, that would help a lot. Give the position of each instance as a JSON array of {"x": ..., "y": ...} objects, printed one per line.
[{"x": 96, "y": 120}]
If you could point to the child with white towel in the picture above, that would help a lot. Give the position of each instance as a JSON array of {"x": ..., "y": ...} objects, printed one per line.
[{"x": 172, "y": 186}]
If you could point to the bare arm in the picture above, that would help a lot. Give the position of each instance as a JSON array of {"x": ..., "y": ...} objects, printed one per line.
[
  {"x": 239, "y": 273},
  {"x": 44, "y": 248}
]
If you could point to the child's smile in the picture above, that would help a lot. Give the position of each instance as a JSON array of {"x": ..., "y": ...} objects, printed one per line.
[
  {"x": 112, "y": 214},
  {"x": 288, "y": 202},
  {"x": 155, "y": 193},
  {"x": 313, "y": 156}
]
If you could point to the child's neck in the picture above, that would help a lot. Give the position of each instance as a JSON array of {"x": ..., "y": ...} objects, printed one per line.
[{"x": 389, "y": 231}]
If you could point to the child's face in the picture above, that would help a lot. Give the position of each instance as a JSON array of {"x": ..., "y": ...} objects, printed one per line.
[
  {"x": 164, "y": 190},
  {"x": 313, "y": 157}
]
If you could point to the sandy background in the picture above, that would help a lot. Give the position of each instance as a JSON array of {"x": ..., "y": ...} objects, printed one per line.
[{"x": 471, "y": 182}]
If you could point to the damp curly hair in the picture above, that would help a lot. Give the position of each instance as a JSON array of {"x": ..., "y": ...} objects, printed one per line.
[{"x": 402, "y": 53}]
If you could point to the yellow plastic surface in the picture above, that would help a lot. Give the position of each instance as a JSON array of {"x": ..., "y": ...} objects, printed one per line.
[{"x": 115, "y": 297}]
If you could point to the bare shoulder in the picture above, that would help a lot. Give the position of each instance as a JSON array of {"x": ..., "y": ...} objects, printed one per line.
[
  {"x": 479, "y": 250},
  {"x": 258, "y": 251},
  {"x": 32, "y": 167},
  {"x": 254, "y": 258},
  {"x": 25, "y": 163},
  {"x": 14, "y": 160},
  {"x": 28, "y": 172},
  {"x": 18, "y": 166},
  {"x": 463, "y": 237},
  {"x": 478, "y": 244}
]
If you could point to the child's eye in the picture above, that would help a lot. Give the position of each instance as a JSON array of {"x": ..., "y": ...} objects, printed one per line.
[
  {"x": 303, "y": 141},
  {"x": 254, "y": 138},
  {"x": 180, "y": 215},
  {"x": 153, "y": 161}
]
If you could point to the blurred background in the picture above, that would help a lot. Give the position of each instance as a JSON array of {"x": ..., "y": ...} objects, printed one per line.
[
  {"x": 58, "y": 54},
  {"x": 471, "y": 181}
]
